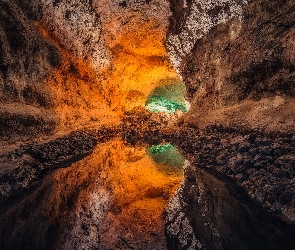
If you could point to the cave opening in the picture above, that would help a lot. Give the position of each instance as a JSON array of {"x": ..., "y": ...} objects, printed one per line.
[{"x": 168, "y": 97}]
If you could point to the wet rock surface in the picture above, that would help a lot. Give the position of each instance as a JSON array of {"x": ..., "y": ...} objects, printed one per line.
[
  {"x": 24, "y": 167},
  {"x": 208, "y": 213},
  {"x": 29, "y": 163},
  {"x": 261, "y": 164}
]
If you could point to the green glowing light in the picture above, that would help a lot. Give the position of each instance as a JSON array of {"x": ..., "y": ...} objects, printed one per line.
[
  {"x": 162, "y": 104},
  {"x": 158, "y": 149},
  {"x": 167, "y": 156}
]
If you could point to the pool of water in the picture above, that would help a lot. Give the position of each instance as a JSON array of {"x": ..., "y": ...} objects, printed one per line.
[
  {"x": 138, "y": 197},
  {"x": 113, "y": 199}
]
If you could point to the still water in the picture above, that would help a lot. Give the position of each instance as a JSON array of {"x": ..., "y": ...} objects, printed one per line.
[
  {"x": 113, "y": 199},
  {"x": 138, "y": 197}
]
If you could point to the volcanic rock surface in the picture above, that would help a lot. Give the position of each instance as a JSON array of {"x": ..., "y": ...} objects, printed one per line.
[
  {"x": 236, "y": 62},
  {"x": 70, "y": 64},
  {"x": 74, "y": 74},
  {"x": 251, "y": 173}
]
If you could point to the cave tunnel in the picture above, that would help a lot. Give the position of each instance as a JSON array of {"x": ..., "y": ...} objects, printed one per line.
[
  {"x": 168, "y": 97},
  {"x": 98, "y": 149}
]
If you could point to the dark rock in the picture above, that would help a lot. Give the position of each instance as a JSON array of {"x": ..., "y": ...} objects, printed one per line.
[
  {"x": 281, "y": 173},
  {"x": 244, "y": 148},
  {"x": 253, "y": 152},
  {"x": 32, "y": 161},
  {"x": 263, "y": 173},
  {"x": 252, "y": 138},
  {"x": 248, "y": 163},
  {"x": 242, "y": 177},
  {"x": 265, "y": 151},
  {"x": 263, "y": 143},
  {"x": 260, "y": 196}
]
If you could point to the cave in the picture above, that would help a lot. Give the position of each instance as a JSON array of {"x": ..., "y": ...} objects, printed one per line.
[
  {"x": 156, "y": 125},
  {"x": 168, "y": 97}
]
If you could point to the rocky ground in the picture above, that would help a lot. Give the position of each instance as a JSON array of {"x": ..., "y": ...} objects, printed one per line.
[
  {"x": 24, "y": 167},
  {"x": 261, "y": 164}
]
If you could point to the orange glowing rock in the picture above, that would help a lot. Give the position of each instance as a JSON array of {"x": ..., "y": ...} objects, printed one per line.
[
  {"x": 136, "y": 193},
  {"x": 88, "y": 96}
]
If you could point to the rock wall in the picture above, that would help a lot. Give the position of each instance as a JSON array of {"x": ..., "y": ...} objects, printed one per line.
[
  {"x": 75, "y": 29},
  {"x": 135, "y": 33},
  {"x": 71, "y": 64},
  {"x": 208, "y": 213},
  {"x": 235, "y": 58},
  {"x": 192, "y": 20},
  {"x": 25, "y": 59}
]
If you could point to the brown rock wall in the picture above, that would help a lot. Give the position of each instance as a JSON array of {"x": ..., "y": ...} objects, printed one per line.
[
  {"x": 240, "y": 72},
  {"x": 85, "y": 62},
  {"x": 25, "y": 60}
]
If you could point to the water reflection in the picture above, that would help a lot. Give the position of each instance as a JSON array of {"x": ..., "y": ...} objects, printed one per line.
[
  {"x": 208, "y": 213},
  {"x": 166, "y": 155},
  {"x": 116, "y": 197},
  {"x": 112, "y": 199}
]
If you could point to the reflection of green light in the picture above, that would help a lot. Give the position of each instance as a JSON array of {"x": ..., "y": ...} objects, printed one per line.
[
  {"x": 158, "y": 149},
  {"x": 162, "y": 104},
  {"x": 167, "y": 156}
]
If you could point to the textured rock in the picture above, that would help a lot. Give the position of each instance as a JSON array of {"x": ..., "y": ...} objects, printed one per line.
[
  {"x": 69, "y": 64},
  {"x": 22, "y": 168},
  {"x": 59, "y": 194},
  {"x": 239, "y": 72},
  {"x": 207, "y": 213},
  {"x": 192, "y": 20},
  {"x": 86, "y": 62},
  {"x": 111, "y": 199},
  {"x": 265, "y": 173},
  {"x": 135, "y": 33},
  {"x": 25, "y": 60},
  {"x": 77, "y": 27}
]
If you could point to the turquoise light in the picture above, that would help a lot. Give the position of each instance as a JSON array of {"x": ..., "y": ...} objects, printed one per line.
[
  {"x": 167, "y": 157},
  {"x": 158, "y": 149},
  {"x": 167, "y": 97},
  {"x": 162, "y": 104}
]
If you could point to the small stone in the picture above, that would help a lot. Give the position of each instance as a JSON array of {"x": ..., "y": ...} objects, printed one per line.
[
  {"x": 260, "y": 196},
  {"x": 242, "y": 177},
  {"x": 264, "y": 142}
]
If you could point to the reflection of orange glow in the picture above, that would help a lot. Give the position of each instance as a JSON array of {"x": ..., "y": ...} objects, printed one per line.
[
  {"x": 139, "y": 192},
  {"x": 136, "y": 177}
]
